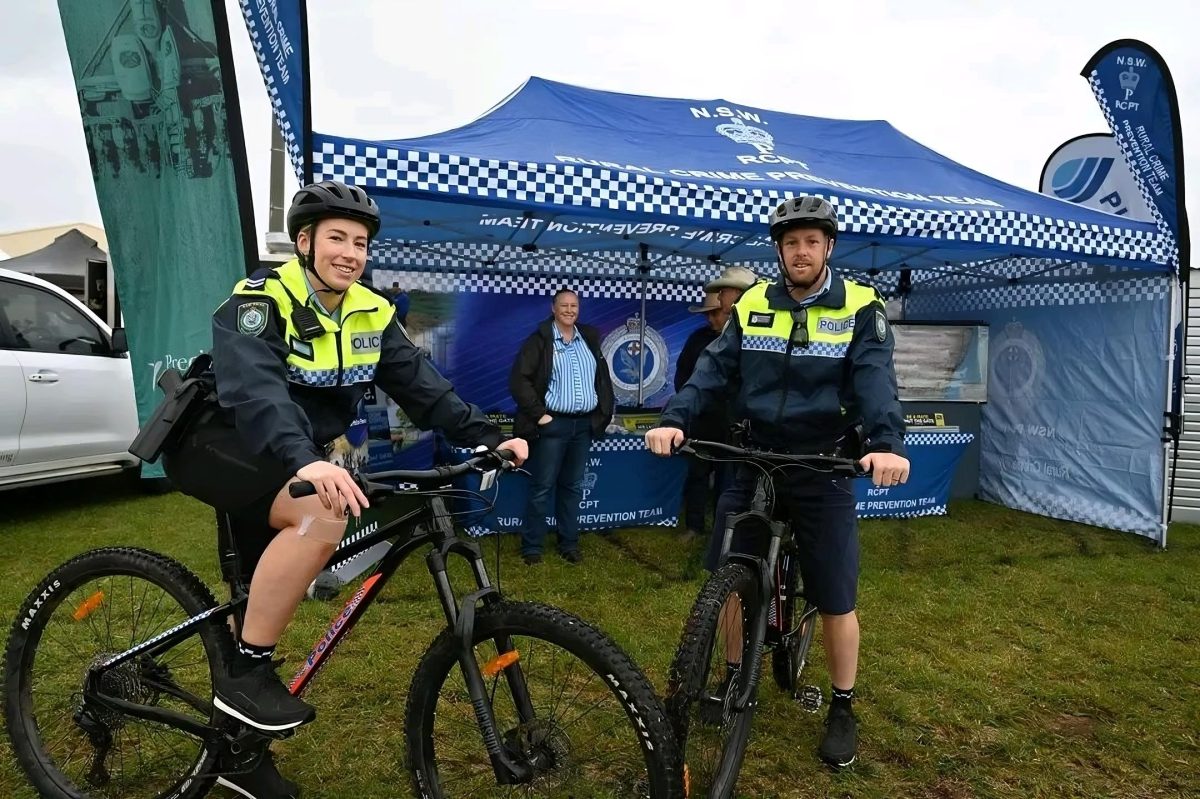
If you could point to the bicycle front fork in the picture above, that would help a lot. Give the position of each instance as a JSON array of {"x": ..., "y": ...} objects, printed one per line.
[{"x": 461, "y": 617}]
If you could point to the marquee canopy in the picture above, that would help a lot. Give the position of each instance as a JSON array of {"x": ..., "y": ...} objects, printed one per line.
[{"x": 559, "y": 168}]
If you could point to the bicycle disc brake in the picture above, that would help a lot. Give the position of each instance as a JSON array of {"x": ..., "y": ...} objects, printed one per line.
[{"x": 541, "y": 744}]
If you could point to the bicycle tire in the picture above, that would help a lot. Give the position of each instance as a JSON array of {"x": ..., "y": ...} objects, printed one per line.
[
  {"x": 712, "y": 766},
  {"x": 43, "y": 689},
  {"x": 626, "y": 714}
]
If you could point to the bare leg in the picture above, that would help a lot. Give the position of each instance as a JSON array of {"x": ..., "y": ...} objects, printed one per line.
[
  {"x": 289, "y": 564},
  {"x": 840, "y": 636}
]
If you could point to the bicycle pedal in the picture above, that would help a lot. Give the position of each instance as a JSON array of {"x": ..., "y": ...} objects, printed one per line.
[{"x": 810, "y": 698}]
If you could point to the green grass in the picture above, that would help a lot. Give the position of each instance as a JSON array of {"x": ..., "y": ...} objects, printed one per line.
[{"x": 1003, "y": 654}]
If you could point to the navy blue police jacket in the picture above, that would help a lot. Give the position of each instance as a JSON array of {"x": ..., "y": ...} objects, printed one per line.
[
  {"x": 801, "y": 397},
  {"x": 289, "y": 396}
]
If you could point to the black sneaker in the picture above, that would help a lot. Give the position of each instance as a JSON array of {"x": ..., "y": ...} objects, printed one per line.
[
  {"x": 572, "y": 556},
  {"x": 712, "y": 706},
  {"x": 263, "y": 782},
  {"x": 260, "y": 699},
  {"x": 840, "y": 744},
  {"x": 532, "y": 559}
]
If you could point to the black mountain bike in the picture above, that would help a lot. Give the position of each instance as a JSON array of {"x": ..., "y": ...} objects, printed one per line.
[
  {"x": 109, "y": 670},
  {"x": 752, "y": 602}
]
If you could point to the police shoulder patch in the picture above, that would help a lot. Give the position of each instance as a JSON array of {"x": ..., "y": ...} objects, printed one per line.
[
  {"x": 881, "y": 329},
  {"x": 252, "y": 318}
]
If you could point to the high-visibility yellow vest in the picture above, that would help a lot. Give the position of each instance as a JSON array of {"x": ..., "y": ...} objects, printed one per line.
[{"x": 348, "y": 351}]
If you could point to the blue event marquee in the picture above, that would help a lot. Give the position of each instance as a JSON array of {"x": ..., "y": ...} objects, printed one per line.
[{"x": 632, "y": 196}]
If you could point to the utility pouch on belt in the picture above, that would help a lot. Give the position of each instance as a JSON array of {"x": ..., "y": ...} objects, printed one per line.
[{"x": 187, "y": 394}]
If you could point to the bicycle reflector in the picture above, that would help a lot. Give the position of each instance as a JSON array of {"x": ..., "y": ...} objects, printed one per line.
[
  {"x": 499, "y": 663},
  {"x": 88, "y": 605}
]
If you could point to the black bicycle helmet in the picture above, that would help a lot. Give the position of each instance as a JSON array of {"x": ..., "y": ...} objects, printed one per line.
[
  {"x": 803, "y": 211},
  {"x": 331, "y": 199}
]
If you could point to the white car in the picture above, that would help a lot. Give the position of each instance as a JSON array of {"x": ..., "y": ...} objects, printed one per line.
[{"x": 67, "y": 408}]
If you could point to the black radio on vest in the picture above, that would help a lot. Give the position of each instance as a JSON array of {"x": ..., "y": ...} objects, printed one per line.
[{"x": 308, "y": 326}]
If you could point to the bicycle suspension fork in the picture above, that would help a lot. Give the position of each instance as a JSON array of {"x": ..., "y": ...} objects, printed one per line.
[
  {"x": 752, "y": 660},
  {"x": 461, "y": 617}
]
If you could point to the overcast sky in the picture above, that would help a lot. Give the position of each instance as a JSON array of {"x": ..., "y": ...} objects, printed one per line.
[{"x": 995, "y": 86}]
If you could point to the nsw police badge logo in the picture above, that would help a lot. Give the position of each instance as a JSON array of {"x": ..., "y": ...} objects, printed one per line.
[
  {"x": 252, "y": 318},
  {"x": 880, "y": 327},
  {"x": 637, "y": 355}
]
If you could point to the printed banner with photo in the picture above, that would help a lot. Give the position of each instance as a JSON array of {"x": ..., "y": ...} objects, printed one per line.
[
  {"x": 162, "y": 123},
  {"x": 473, "y": 339}
]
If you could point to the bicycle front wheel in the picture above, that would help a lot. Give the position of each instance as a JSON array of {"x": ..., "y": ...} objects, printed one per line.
[
  {"x": 70, "y": 742},
  {"x": 597, "y": 728},
  {"x": 712, "y": 734}
]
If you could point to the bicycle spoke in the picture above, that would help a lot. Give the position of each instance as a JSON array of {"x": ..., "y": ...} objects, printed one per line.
[{"x": 97, "y": 618}]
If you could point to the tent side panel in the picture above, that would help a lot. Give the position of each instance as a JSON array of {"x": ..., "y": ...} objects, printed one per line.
[{"x": 1076, "y": 387}]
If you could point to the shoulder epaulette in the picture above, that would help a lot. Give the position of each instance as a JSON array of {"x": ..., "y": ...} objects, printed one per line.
[{"x": 260, "y": 277}]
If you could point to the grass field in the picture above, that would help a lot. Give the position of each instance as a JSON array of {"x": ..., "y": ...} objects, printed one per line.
[{"x": 1003, "y": 654}]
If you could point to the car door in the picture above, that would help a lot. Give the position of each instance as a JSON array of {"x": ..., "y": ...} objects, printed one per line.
[
  {"x": 79, "y": 397},
  {"x": 12, "y": 404},
  {"x": 12, "y": 397}
]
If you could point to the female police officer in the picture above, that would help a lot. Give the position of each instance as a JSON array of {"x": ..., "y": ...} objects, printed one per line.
[{"x": 294, "y": 350}]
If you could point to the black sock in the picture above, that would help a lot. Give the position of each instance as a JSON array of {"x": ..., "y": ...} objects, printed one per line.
[
  {"x": 250, "y": 655},
  {"x": 840, "y": 697}
]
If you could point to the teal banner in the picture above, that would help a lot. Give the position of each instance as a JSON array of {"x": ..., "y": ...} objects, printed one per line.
[{"x": 160, "y": 113}]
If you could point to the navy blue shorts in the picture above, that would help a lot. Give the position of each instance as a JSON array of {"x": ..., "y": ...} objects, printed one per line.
[{"x": 825, "y": 527}]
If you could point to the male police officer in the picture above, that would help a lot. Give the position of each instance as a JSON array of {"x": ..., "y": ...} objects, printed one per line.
[{"x": 803, "y": 359}]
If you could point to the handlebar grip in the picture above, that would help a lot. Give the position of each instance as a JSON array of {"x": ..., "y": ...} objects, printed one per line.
[{"x": 301, "y": 488}]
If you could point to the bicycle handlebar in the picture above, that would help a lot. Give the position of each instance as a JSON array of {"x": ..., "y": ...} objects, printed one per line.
[
  {"x": 847, "y": 467},
  {"x": 372, "y": 482}
]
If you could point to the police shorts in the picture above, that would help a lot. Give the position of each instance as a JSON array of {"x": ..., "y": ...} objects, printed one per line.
[
  {"x": 824, "y": 525},
  {"x": 213, "y": 465}
]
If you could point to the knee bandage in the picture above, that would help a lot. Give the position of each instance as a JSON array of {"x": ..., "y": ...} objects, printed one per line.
[{"x": 323, "y": 529}]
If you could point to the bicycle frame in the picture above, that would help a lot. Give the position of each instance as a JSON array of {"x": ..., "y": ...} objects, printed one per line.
[
  {"x": 405, "y": 529},
  {"x": 764, "y": 566}
]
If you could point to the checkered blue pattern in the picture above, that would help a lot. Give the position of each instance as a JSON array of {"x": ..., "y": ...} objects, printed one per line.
[
  {"x": 363, "y": 373},
  {"x": 937, "y": 439},
  {"x": 1130, "y": 161},
  {"x": 464, "y": 178},
  {"x": 999, "y": 271},
  {"x": 1029, "y": 295},
  {"x": 763, "y": 344},
  {"x": 928, "y": 510},
  {"x": 994, "y": 488},
  {"x": 473, "y": 258},
  {"x": 821, "y": 349},
  {"x": 360, "y": 373},
  {"x": 290, "y": 138},
  {"x": 815, "y": 349},
  {"x": 312, "y": 377},
  {"x": 455, "y": 282},
  {"x": 618, "y": 442}
]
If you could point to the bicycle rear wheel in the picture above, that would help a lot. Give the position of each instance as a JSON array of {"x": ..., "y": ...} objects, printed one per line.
[
  {"x": 92, "y": 607},
  {"x": 789, "y": 659},
  {"x": 711, "y": 734},
  {"x": 598, "y": 729}
]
